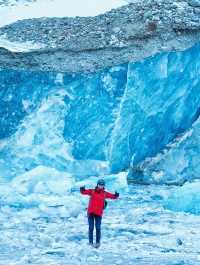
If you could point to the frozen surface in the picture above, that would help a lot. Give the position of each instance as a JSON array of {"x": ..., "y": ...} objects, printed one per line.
[
  {"x": 136, "y": 229},
  {"x": 12, "y": 11}
]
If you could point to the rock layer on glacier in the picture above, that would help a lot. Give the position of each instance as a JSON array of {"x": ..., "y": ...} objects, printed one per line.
[{"x": 129, "y": 33}]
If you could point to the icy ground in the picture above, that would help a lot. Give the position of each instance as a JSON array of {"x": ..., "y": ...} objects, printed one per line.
[
  {"x": 11, "y": 11},
  {"x": 136, "y": 229}
]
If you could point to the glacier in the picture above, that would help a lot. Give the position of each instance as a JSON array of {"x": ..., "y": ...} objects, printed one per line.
[
  {"x": 180, "y": 158},
  {"x": 101, "y": 122},
  {"x": 137, "y": 121},
  {"x": 185, "y": 198},
  {"x": 160, "y": 102}
]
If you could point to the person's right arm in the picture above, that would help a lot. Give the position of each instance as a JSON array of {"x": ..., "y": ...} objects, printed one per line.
[{"x": 85, "y": 191}]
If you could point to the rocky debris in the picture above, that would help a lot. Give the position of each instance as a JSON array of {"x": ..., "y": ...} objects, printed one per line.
[{"x": 129, "y": 33}]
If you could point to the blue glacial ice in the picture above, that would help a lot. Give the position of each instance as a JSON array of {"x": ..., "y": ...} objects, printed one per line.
[
  {"x": 102, "y": 122},
  {"x": 60, "y": 131},
  {"x": 180, "y": 158},
  {"x": 185, "y": 198},
  {"x": 161, "y": 100}
]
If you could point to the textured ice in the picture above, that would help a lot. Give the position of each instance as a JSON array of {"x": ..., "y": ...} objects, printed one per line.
[
  {"x": 61, "y": 121},
  {"x": 180, "y": 158},
  {"x": 185, "y": 198},
  {"x": 135, "y": 230},
  {"x": 101, "y": 122},
  {"x": 161, "y": 100}
]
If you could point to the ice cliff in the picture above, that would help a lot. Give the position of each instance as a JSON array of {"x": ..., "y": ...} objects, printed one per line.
[{"x": 103, "y": 122}]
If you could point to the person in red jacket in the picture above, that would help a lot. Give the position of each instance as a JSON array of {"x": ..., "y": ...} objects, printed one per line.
[{"x": 96, "y": 207}]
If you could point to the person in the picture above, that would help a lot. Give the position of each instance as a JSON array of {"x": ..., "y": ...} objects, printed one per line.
[{"x": 96, "y": 207}]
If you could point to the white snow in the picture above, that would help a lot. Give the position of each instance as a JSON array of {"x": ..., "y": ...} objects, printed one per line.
[
  {"x": 19, "y": 46},
  {"x": 55, "y": 8},
  {"x": 135, "y": 230},
  {"x": 41, "y": 179}
]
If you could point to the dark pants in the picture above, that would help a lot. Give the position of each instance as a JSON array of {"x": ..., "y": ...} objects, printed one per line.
[{"x": 97, "y": 219}]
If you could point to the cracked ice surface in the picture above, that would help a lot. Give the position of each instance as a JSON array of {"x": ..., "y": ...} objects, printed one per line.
[{"x": 135, "y": 229}]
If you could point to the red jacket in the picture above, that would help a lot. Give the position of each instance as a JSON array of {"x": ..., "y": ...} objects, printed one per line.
[{"x": 97, "y": 198}]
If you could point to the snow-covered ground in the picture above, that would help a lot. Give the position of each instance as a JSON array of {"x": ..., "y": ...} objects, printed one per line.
[
  {"x": 12, "y": 11},
  {"x": 136, "y": 229}
]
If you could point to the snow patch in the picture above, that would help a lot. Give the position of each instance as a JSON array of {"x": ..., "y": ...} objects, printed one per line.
[
  {"x": 19, "y": 46},
  {"x": 57, "y": 8}
]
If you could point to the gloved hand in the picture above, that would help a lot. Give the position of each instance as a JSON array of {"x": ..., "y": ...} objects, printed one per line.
[
  {"x": 82, "y": 188},
  {"x": 116, "y": 194}
]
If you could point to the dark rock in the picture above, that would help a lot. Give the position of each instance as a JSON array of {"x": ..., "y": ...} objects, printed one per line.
[{"x": 179, "y": 242}]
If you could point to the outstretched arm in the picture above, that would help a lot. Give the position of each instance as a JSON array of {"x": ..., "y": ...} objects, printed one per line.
[
  {"x": 85, "y": 191},
  {"x": 109, "y": 195}
]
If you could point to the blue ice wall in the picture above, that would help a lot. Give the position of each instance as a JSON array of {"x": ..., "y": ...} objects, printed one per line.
[
  {"x": 177, "y": 163},
  {"x": 67, "y": 121},
  {"x": 161, "y": 100},
  {"x": 111, "y": 119},
  {"x": 20, "y": 94},
  {"x": 92, "y": 112}
]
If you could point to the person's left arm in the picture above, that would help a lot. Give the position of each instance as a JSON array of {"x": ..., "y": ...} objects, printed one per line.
[{"x": 109, "y": 195}]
